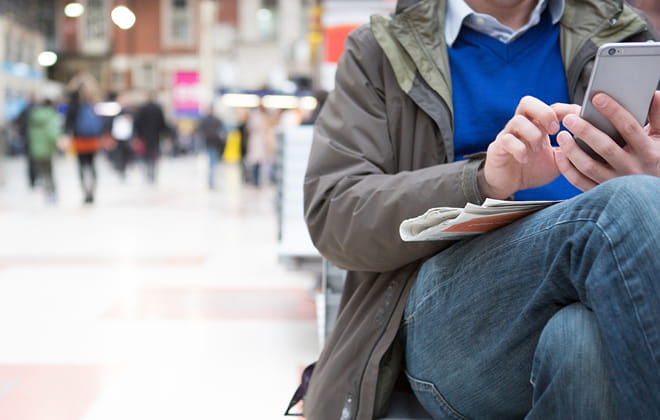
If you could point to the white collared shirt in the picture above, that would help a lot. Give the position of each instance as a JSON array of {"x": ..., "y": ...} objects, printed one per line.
[{"x": 459, "y": 14}]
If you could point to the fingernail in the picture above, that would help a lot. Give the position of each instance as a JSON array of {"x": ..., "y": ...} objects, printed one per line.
[
  {"x": 570, "y": 120},
  {"x": 600, "y": 100},
  {"x": 560, "y": 139},
  {"x": 564, "y": 138},
  {"x": 554, "y": 127}
]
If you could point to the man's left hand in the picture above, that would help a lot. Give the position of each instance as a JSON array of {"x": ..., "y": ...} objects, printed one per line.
[{"x": 640, "y": 155}]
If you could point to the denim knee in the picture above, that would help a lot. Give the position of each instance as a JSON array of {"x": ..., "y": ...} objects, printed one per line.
[
  {"x": 569, "y": 371},
  {"x": 634, "y": 191},
  {"x": 570, "y": 337},
  {"x": 645, "y": 186},
  {"x": 629, "y": 203}
]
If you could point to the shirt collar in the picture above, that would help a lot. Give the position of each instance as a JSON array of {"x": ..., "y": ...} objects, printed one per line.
[{"x": 459, "y": 13}]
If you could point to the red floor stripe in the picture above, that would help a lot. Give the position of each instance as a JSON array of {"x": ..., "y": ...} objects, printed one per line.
[
  {"x": 39, "y": 392},
  {"x": 101, "y": 261},
  {"x": 192, "y": 304}
]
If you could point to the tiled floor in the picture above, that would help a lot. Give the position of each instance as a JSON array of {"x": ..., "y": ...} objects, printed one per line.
[{"x": 157, "y": 302}]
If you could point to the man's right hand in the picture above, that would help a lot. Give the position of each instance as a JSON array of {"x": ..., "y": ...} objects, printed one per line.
[{"x": 521, "y": 155}]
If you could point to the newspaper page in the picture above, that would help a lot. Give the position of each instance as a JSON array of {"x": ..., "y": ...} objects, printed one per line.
[{"x": 449, "y": 223}]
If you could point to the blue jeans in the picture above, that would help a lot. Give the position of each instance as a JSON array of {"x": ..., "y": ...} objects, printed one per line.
[
  {"x": 214, "y": 156},
  {"x": 556, "y": 316}
]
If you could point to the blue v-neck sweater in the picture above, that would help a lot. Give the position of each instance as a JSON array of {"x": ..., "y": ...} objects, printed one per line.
[{"x": 488, "y": 80}]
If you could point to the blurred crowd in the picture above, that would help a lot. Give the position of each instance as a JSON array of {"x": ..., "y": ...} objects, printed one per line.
[{"x": 87, "y": 125}]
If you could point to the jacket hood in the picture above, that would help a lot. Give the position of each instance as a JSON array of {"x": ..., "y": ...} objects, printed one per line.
[{"x": 404, "y": 4}]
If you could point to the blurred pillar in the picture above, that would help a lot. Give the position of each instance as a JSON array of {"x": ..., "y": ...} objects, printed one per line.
[
  {"x": 315, "y": 38},
  {"x": 208, "y": 12},
  {"x": 289, "y": 18}
]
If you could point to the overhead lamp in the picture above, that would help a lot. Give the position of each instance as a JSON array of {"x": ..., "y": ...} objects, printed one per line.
[
  {"x": 47, "y": 58},
  {"x": 123, "y": 17},
  {"x": 280, "y": 101},
  {"x": 74, "y": 9},
  {"x": 240, "y": 100},
  {"x": 308, "y": 103}
]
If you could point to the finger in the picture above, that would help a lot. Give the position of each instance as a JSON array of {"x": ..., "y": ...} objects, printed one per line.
[
  {"x": 527, "y": 131},
  {"x": 535, "y": 110},
  {"x": 654, "y": 113},
  {"x": 508, "y": 144},
  {"x": 622, "y": 120},
  {"x": 582, "y": 162},
  {"x": 571, "y": 173},
  {"x": 562, "y": 110},
  {"x": 600, "y": 142}
]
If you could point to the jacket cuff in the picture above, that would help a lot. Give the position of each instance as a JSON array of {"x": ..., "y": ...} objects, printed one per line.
[{"x": 469, "y": 179}]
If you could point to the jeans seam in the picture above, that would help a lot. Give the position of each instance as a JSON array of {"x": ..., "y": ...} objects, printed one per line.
[
  {"x": 428, "y": 386},
  {"x": 406, "y": 321}
]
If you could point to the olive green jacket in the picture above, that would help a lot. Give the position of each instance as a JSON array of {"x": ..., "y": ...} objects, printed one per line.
[
  {"x": 383, "y": 152},
  {"x": 43, "y": 131}
]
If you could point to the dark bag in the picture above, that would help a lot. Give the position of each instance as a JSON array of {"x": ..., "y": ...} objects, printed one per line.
[
  {"x": 213, "y": 132},
  {"x": 88, "y": 122},
  {"x": 299, "y": 395}
]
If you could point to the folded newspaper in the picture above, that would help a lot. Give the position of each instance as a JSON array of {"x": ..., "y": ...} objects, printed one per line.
[{"x": 442, "y": 223}]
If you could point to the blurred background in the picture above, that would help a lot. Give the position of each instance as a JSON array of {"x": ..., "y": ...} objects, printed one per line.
[
  {"x": 154, "y": 262},
  {"x": 159, "y": 267}
]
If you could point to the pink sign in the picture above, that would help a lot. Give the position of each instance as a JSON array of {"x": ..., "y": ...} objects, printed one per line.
[{"x": 186, "y": 92}]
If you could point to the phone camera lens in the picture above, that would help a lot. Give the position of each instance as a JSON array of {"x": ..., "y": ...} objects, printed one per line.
[{"x": 611, "y": 51}]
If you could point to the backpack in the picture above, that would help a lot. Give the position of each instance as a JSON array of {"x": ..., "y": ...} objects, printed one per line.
[
  {"x": 213, "y": 132},
  {"x": 88, "y": 122}
]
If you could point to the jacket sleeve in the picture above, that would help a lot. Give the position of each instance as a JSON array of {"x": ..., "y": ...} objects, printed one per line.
[{"x": 354, "y": 195}]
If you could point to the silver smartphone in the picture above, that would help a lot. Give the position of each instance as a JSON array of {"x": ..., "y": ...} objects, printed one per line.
[{"x": 629, "y": 73}]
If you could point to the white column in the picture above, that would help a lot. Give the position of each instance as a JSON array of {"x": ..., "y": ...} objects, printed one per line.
[
  {"x": 207, "y": 17},
  {"x": 247, "y": 19},
  {"x": 3, "y": 58},
  {"x": 289, "y": 21}
]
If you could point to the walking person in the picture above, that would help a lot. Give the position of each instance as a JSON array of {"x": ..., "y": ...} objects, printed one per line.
[
  {"x": 86, "y": 128},
  {"x": 43, "y": 133},
  {"x": 149, "y": 126},
  {"x": 243, "y": 116},
  {"x": 554, "y": 316},
  {"x": 260, "y": 144},
  {"x": 21, "y": 124},
  {"x": 121, "y": 129},
  {"x": 212, "y": 131}
]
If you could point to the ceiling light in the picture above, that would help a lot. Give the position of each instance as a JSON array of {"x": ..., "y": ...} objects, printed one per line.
[
  {"x": 74, "y": 9},
  {"x": 123, "y": 17},
  {"x": 47, "y": 58}
]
